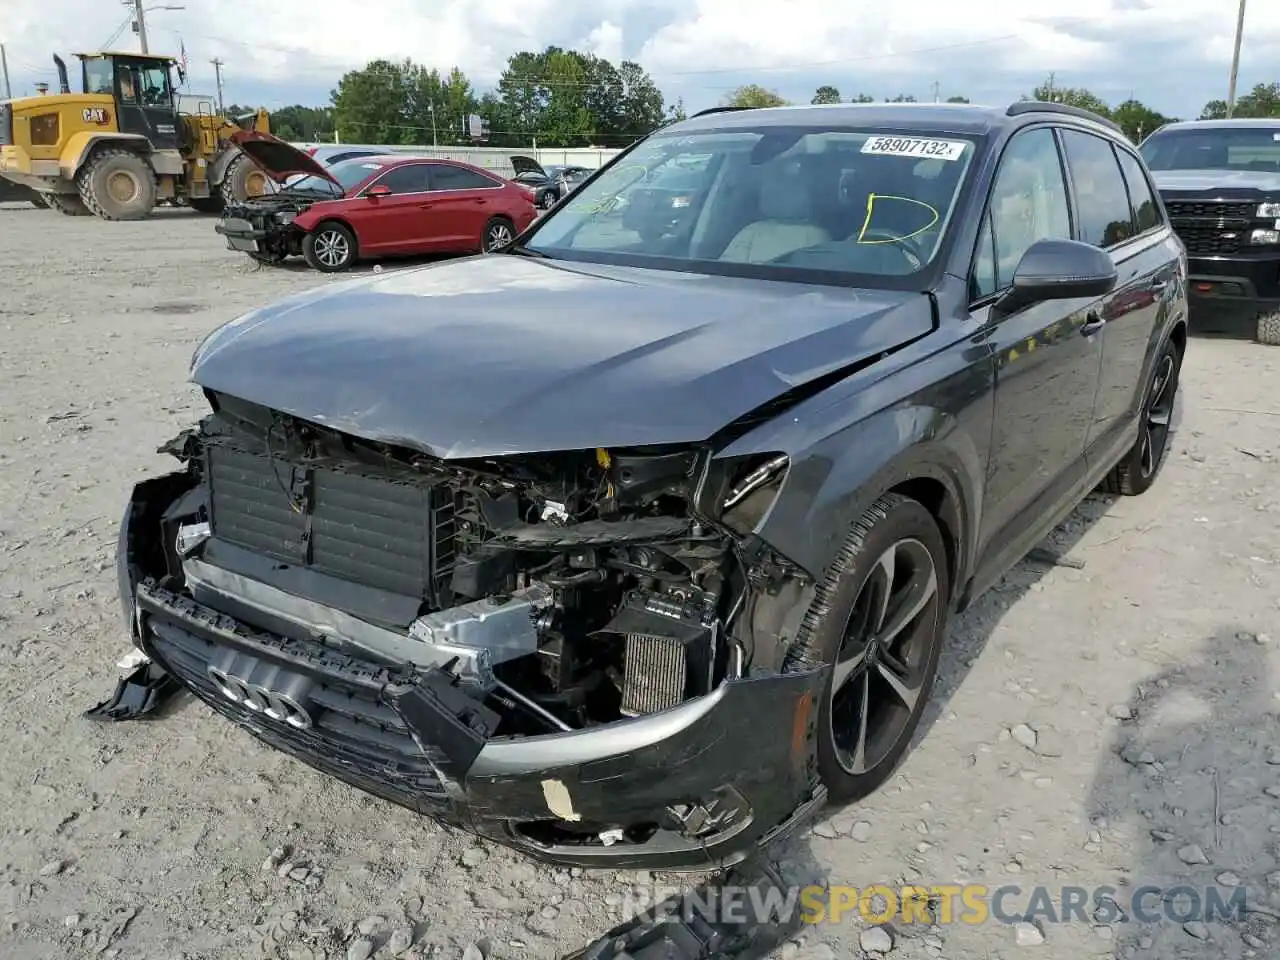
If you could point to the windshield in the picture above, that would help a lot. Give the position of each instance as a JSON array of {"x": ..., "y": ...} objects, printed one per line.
[
  {"x": 349, "y": 173},
  {"x": 770, "y": 202},
  {"x": 1220, "y": 148}
]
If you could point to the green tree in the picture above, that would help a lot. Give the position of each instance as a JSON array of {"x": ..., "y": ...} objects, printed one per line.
[
  {"x": 863, "y": 98},
  {"x": 826, "y": 94},
  {"x": 642, "y": 102},
  {"x": 303, "y": 124},
  {"x": 1262, "y": 101},
  {"x": 1072, "y": 96},
  {"x": 901, "y": 98},
  {"x": 373, "y": 105},
  {"x": 754, "y": 95},
  {"x": 957, "y": 99},
  {"x": 1137, "y": 120}
]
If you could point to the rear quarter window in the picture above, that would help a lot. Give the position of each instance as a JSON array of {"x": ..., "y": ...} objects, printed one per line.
[{"x": 1145, "y": 209}]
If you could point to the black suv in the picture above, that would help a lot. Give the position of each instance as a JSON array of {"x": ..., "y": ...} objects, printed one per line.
[
  {"x": 636, "y": 542},
  {"x": 1220, "y": 180}
]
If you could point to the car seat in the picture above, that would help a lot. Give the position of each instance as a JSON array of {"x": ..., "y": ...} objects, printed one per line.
[{"x": 787, "y": 223}]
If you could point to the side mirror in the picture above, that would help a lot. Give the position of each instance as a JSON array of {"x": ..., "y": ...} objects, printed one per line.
[
  {"x": 378, "y": 190},
  {"x": 1059, "y": 270}
]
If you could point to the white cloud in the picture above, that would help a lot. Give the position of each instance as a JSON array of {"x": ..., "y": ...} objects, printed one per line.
[
  {"x": 697, "y": 48},
  {"x": 605, "y": 41}
]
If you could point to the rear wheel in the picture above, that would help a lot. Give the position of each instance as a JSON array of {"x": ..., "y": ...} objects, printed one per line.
[
  {"x": 117, "y": 184},
  {"x": 329, "y": 248},
  {"x": 242, "y": 180},
  {"x": 67, "y": 204},
  {"x": 498, "y": 233},
  {"x": 1136, "y": 471},
  {"x": 878, "y": 619}
]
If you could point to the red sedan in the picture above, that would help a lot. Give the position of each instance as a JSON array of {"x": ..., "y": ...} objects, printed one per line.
[{"x": 370, "y": 207}]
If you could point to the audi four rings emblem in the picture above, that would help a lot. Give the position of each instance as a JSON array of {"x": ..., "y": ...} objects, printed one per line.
[{"x": 257, "y": 698}]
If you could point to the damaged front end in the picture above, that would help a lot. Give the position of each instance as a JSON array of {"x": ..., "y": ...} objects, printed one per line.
[
  {"x": 579, "y": 655},
  {"x": 263, "y": 226}
]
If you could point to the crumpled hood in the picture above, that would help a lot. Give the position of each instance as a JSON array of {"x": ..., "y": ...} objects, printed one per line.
[
  {"x": 1224, "y": 182},
  {"x": 506, "y": 354}
]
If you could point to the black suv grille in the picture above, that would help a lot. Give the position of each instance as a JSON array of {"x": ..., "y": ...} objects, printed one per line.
[
  {"x": 393, "y": 535},
  {"x": 353, "y": 736},
  {"x": 1211, "y": 227}
]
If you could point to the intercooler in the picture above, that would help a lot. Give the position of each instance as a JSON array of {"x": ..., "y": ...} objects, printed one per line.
[
  {"x": 383, "y": 532},
  {"x": 668, "y": 655}
]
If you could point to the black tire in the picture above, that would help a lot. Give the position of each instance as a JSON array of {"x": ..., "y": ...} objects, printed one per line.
[
  {"x": 330, "y": 248},
  {"x": 212, "y": 204},
  {"x": 1139, "y": 467},
  {"x": 898, "y": 526},
  {"x": 37, "y": 201},
  {"x": 547, "y": 199},
  {"x": 498, "y": 233},
  {"x": 68, "y": 204},
  {"x": 1268, "y": 330},
  {"x": 117, "y": 184},
  {"x": 242, "y": 180}
]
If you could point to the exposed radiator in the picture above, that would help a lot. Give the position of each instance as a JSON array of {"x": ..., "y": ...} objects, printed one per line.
[
  {"x": 655, "y": 672},
  {"x": 390, "y": 534}
]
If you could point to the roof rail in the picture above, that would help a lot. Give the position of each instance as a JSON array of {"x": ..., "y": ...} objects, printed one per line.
[
  {"x": 709, "y": 110},
  {"x": 1042, "y": 106}
]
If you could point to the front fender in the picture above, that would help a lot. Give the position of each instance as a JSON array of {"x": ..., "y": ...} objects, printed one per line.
[
  {"x": 923, "y": 414},
  {"x": 80, "y": 145}
]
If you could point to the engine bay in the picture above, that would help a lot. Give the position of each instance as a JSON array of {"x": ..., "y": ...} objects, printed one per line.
[{"x": 564, "y": 590}]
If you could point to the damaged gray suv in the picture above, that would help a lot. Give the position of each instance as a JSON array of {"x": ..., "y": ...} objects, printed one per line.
[{"x": 636, "y": 543}]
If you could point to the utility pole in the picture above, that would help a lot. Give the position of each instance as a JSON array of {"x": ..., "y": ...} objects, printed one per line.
[
  {"x": 217, "y": 73},
  {"x": 4, "y": 71},
  {"x": 1051, "y": 76},
  {"x": 1235, "y": 62},
  {"x": 937, "y": 95},
  {"x": 140, "y": 24}
]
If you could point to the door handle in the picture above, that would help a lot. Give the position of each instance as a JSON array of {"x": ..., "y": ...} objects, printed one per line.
[{"x": 1093, "y": 322}]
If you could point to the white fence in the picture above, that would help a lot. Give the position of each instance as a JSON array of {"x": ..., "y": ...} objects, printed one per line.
[{"x": 497, "y": 159}]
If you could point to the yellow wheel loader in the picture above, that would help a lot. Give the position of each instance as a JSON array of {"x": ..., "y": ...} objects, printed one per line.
[{"x": 126, "y": 143}]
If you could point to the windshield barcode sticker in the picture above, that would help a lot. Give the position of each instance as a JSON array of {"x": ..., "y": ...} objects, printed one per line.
[{"x": 915, "y": 147}]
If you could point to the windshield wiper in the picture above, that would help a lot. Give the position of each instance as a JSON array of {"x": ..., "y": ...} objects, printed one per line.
[{"x": 521, "y": 250}]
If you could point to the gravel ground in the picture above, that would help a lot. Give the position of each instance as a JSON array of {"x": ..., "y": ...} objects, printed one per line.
[{"x": 1112, "y": 725}]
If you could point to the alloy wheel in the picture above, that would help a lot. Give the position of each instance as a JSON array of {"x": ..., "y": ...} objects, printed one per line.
[
  {"x": 499, "y": 236},
  {"x": 331, "y": 248},
  {"x": 1157, "y": 417},
  {"x": 881, "y": 668}
]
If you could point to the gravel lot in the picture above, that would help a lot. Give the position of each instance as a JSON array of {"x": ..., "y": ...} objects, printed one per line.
[{"x": 1115, "y": 725}]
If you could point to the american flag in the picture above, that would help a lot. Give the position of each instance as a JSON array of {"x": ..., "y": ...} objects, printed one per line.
[{"x": 182, "y": 56}]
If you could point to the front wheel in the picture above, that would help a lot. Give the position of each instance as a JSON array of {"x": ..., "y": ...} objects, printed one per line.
[
  {"x": 498, "y": 233},
  {"x": 879, "y": 619},
  {"x": 1137, "y": 469},
  {"x": 117, "y": 184},
  {"x": 1269, "y": 328},
  {"x": 329, "y": 248}
]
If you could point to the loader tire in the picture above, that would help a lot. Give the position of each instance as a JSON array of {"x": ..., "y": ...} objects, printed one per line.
[
  {"x": 243, "y": 179},
  {"x": 67, "y": 204},
  {"x": 117, "y": 184},
  {"x": 37, "y": 201}
]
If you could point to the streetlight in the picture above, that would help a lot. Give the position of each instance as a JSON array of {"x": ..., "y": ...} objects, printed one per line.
[{"x": 140, "y": 19}]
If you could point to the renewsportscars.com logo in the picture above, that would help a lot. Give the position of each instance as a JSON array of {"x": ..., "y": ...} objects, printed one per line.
[{"x": 971, "y": 904}]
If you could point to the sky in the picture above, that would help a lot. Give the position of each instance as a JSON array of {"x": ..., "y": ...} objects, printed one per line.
[{"x": 1172, "y": 54}]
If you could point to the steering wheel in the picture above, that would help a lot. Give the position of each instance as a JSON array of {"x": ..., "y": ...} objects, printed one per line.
[{"x": 908, "y": 246}]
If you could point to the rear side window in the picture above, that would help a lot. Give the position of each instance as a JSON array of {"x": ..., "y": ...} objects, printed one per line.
[
  {"x": 1101, "y": 197},
  {"x": 445, "y": 177},
  {"x": 1146, "y": 212}
]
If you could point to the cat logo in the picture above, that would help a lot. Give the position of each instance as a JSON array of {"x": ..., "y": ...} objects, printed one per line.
[{"x": 97, "y": 115}]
